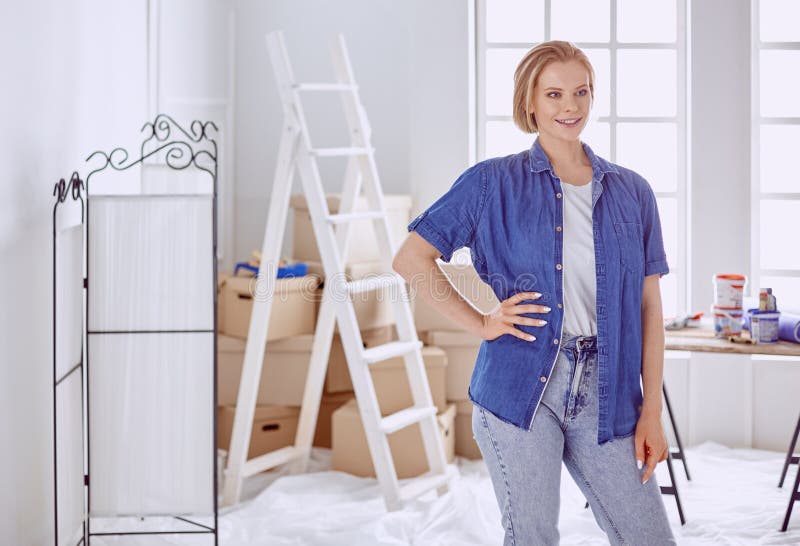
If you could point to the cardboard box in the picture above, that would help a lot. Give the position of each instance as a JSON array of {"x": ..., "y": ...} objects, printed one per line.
[
  {"x": 331, "y": 401},
  {"x": 465, "y": 441},
  {"x": 285, "y": 367},
  {"x": 466, "y": 280},
  {"x": 373, "y": 308},
  {"x": 293, "y": 310},
  {"x": 462, "y": 352},
  {"x": 338, "y": 376},
  {"x": 273, "y": 427},
  {"x": 363, "y": 245},
  {"x": 391, "y": 381},
  {"x": 283, "y": 370},
  {"x": 351, "y": 453}
]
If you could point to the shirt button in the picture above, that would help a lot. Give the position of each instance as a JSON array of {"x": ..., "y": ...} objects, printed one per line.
[
  {"x": 559, "y": 306},
  {"x": 558, "y": 266},
  {"x": 558, "y": 228},
  {"x": 558, "y": 196},
  {"x": 555, "y": 341},
  {"x": 543, "y": 379}
]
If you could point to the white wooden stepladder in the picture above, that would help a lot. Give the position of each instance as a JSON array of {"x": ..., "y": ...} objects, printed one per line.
[{"x": 337, "y": 307}]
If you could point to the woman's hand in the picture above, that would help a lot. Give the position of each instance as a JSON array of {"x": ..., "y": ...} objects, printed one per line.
[
  {"x": 650, "y": 442},
  {"x": 502, "y": 320}
]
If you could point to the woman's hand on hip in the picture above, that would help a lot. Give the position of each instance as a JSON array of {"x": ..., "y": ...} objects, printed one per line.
[
  {"x": 650, "y": 442},
  {"x": 504, "y": 319}
]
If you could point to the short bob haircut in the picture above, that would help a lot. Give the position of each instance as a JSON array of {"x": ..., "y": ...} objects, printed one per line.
[{"x": 527, "y": 74}]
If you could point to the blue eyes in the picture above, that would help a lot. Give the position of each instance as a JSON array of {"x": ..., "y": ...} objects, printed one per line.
[{"x": 581, "y": 93}]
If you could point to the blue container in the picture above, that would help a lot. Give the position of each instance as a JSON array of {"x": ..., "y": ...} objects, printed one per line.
[
  {"x": 764, "y": 325},
  {"x": 292, "y": 270}
]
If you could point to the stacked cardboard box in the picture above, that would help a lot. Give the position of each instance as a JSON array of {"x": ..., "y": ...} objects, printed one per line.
[
  {"x": 351, "y": 453},
  {"x": 363, "y": 241},
  {"x": 273, "y": 427},
  {"x": 460, "y": 346},
  {"x": 292, "y": 305},
  {"x": 290, "y": 336}
]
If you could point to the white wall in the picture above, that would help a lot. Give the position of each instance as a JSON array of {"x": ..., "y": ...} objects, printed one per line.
[
  {"x": 410, "y": 60},
  {"x": 73, "y": 82}
]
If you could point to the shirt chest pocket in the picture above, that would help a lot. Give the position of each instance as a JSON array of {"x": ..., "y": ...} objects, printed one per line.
[{"x": 631, "y": 245}]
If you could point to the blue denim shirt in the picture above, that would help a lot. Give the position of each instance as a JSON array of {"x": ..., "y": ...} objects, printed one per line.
[{"x": 506, "y": 210}]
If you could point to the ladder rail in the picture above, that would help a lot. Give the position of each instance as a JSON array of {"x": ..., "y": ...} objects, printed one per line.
[
  {"x": 259, "y": 319},
  {"x": 418, "y": 379}
]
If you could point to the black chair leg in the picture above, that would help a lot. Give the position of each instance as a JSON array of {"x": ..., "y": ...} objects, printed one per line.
[
  {"x": 790, "y": 457},
  {"x": 679, "y": 454},
  {"x": 794, "y": 497},
  {"x": 673, "y": 489}
]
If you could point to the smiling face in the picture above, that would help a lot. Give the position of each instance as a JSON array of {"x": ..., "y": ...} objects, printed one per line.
[{"x": 561, "y": 100}]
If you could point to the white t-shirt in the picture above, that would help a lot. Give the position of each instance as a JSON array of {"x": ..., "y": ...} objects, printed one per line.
[{"x": 580, "y": 281}]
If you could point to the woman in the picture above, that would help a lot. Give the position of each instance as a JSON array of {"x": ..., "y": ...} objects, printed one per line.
[{"x": 571, "y": 244}]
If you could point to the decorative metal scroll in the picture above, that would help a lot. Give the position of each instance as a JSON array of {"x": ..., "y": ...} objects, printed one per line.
[
  {"x": 181, "y": 148},
  {"x": 64, "y": 189}
]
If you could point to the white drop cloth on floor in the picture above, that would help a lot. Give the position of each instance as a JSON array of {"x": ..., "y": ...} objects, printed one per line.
[{"x": 733, "y": 498}]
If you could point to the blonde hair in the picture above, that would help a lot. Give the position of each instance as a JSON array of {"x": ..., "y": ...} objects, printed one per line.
[{"x": 529, "y": 69}]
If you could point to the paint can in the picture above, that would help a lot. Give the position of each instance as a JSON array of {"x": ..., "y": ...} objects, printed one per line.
[
  {"x": 764, "y": 325},
  {"x": 728, "y": 290},
  {"x": 727, "y": 322}
]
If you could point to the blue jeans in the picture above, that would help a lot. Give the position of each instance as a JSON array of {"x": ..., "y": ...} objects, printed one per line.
[{"x": 525, "y": 466}]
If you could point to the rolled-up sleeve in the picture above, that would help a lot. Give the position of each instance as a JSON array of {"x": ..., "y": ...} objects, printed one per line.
[
  {"x": 451, "y": 222},
  {"x": 655, "y": 258}
]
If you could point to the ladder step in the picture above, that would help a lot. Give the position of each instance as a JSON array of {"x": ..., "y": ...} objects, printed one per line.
[
  {"x": 325, "y": 86},
  {"x": 405, "y": 418},
  {"x": 353, "y": 216},
  {"x": 377, "y": 282},
  {"x": 424, "y": 483},
  {"x": 389, "y": 350},
  {"x": 270, "y": 460},
  {"x": 333, "y": 152}
]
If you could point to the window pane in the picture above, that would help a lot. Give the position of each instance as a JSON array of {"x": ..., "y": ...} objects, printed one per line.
[
  {"x": 504, "y": 138},
  {"x": 500, "y": 66},
  {"x": 580, "y": 20},
  {"x": 780, "y": 79},
  {"x": 515, "y": 21},
  {"x": 646, "y": 82},
  {"x": 651, "y": 21},
  {"x": 785, "y": 289},
  {"x": 777, "y": 236},
  {"x": 598, "y": 136},
  {"x": 651, "y": 150},
  {"x": 778, "y": 151},
  {"x": 778, "y": 20},
  {"x": 601, "y": 61}
]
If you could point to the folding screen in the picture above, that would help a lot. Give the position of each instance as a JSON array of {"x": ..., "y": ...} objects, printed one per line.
[{"x": 150, "y": 369}]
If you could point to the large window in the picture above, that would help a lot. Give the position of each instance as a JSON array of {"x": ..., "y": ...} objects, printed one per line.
[
  {"x": 638, "y": 50},
  {"x": 776, "y": 137}
]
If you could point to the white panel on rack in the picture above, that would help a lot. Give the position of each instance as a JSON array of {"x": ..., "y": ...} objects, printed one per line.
[
  {"x": 69, "y": 467},
  {"x": 69, "y": 298},
  {"x": 151, "y": 421},
  {"x": 150, "y": 263}
]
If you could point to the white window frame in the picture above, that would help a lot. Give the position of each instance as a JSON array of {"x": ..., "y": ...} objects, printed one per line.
[
  {"x": 679, "y": 264},
  {"x": 757, "y": 120}
]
